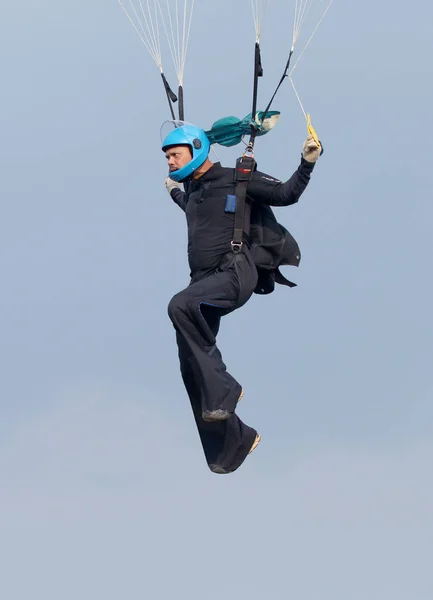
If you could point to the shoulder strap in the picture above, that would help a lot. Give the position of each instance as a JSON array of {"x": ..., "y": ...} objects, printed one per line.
[{"x": 245, "y": 166}]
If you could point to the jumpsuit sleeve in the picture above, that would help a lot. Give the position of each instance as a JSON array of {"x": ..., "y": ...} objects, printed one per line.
[
  {"x": 268, "y": 190},
  {"x": 179, "y": 198}
]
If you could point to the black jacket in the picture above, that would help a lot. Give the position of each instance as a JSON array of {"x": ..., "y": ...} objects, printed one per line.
[{"x": 209, "y": 204}]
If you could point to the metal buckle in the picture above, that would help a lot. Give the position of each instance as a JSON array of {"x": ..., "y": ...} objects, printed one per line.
[
  {"x": 237, "y": 247},
  {"x": 249, "y": 151}
]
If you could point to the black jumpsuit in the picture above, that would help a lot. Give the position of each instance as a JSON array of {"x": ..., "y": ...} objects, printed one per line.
[{"x": 221, "y": 281}]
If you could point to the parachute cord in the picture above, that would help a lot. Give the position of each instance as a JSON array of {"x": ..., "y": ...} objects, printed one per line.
[
  {"x": 311, "y": 37},
  {"x": 310, "y": 128},
  {"x": 177, "y": 31},
  {"x": 301, "y": 10},
  {"x": 158, "y": 37},
  {"x": 152, "y": 28},
  {"x": 170, "y": 35},
  {"x": 300, "y": 17},
  {"x": 149, "y": 44},
  {"x": 256, "y": 24},
  {"x": 258, "y": 8},
  {"x": 299, "y": 99},
  {"x": 150, "y": 19},
  {"x": 151, "y": 33},
  {"x": 215, "y": 152},
  {"x": 294, "y": 23},
  {"x": 186, "y": 36}
]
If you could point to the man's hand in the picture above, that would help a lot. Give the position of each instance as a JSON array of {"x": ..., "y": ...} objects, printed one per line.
[
  {"x": 311, "y": 151},
  {"x": 171, "y": 185}
]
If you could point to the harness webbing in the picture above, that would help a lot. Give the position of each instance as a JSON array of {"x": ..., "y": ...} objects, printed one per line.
[{"x": 245, "y": 166}]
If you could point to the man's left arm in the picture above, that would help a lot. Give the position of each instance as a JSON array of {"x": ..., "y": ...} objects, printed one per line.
[{"x": 267, "y": 190}]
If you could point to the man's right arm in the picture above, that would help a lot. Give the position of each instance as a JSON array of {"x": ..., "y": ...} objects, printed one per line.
[{"x": 176, "y": 193}]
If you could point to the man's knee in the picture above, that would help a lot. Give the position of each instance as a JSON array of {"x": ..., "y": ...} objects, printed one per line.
[{"x": 176, "y": 306}]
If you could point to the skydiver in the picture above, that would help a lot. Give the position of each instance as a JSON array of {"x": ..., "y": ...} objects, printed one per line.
[{"x": 221, "y": 281}]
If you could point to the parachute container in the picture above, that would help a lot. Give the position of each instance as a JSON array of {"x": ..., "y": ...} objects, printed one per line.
[{"x": 229, "y": 131}]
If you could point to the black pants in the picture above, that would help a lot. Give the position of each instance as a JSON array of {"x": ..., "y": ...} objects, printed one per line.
[{"x": 196, "y": 313}]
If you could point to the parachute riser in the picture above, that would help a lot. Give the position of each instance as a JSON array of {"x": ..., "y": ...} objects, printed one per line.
[
  {"x": 181, "y": 104},
  {"x": 283, "y": 77},
  {"x": 171, "y": 96},
  {"x": 258, "y": 72}
]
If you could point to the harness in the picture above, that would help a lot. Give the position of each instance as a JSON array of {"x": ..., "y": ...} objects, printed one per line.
[
  {"x": 246, "y": 164},
  {"x": 244, "y": 170}
]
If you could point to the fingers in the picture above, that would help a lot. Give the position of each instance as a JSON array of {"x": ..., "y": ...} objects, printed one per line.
[
  {"x": 311, "y": 142},
  {"x": 170, "y": 185},
  {"x": 311, "y": 150}
]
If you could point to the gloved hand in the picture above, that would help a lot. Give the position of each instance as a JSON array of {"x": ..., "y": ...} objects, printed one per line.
[
  {"x": 171, "y": 185},
  {"x": 311, "y": 151}
]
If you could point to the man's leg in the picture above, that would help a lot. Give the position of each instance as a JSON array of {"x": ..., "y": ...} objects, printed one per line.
[
  {"x": 196, "y": 313},
  {"x": 190, "y": 312},
  {"x": 227, "y": 443}
]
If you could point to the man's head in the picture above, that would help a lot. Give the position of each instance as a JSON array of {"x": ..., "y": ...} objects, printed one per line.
[
  {"x": 177, "y": 157},
  {"x": 186, "y": 149}
]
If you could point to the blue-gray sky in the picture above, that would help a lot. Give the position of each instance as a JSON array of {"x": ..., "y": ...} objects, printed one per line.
[{"x": 104, "y": 492}]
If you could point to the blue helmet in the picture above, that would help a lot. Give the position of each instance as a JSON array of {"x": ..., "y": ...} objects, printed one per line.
[{"x": 198, "y": 142}]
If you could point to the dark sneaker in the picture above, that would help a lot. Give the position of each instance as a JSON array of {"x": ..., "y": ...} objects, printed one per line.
[{"x": 221, "y": 471}]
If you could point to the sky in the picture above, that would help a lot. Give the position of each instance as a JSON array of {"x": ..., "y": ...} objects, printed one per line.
[{"x": 104, "y": 491}]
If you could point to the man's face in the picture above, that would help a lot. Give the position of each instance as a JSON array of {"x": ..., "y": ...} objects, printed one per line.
[{"x": 177, "y": 157}]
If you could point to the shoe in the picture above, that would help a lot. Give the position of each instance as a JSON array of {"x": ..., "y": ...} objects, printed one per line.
[
  {"x": 256, "y": 443},
  {"x": 221, "y": 471},
  {"x": 218, "y": 415}
]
